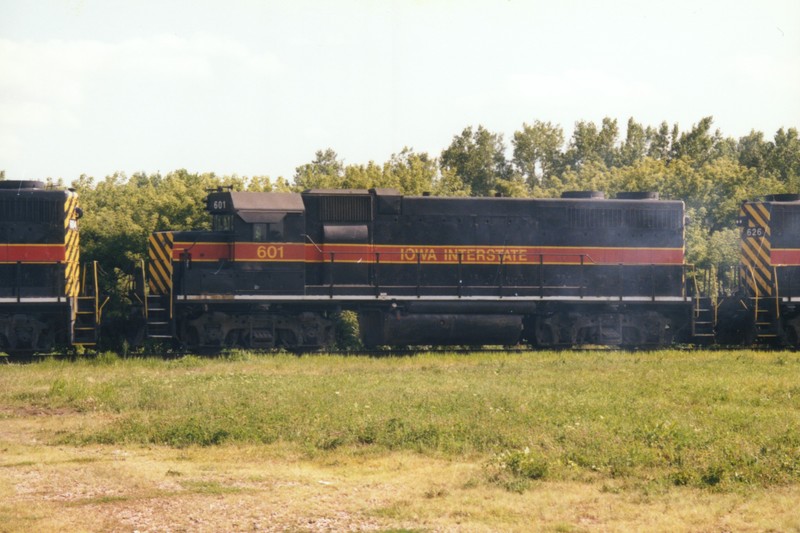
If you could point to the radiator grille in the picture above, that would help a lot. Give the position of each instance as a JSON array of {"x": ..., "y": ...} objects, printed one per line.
[
  {"x": 668, "y": 219},
  {"x": 345, "y": 209}
]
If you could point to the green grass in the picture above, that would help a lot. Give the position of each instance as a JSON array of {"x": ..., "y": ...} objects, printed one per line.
[{"x": 713, "y": 419}]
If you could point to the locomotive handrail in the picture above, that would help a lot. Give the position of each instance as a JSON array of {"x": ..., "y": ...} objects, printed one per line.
[
  {"x": 308, "y": 237},
  {"x": 777, "y": 293},
  {"x": 18, "y": 280},
  {"x": 752, "y": 272},
  {"x": 99, "y": 308},
  {"x": 143, "y": 285},
  {"x": 501, "y": 254},
  {"x": 696, "y": 296},
  {"x": 416, "y": 257}
]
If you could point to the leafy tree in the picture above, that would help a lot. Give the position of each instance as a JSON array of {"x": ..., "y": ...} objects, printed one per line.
[
  {"x": 478, "y": 158},
  {"x": 590, "y": 176},
  {"x": 588, "y": 144},
  {"x": 513, "y": 187},
  {"x": 660, "y": 142},
  {"x": 697, "y": 144},
  {"x": 537, "y": 151},
  {"x": 634, "y": 147},
  {"x": 260, "y": 184},
  {"x": 724, "y": 147},
  {"x": 646, "y": 174},
  {"x": 752, "y": 150},
  {"x": 362, "y": 176},
  {"x": 783, "y": 159},
  {"x": 326, "y": 171},
  {"x": 410, "y": 172},
  {"x": 450, "y": 184}
]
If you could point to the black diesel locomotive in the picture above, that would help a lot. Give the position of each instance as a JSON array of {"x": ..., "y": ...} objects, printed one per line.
[
  {"x": 44, "y": 302},
  {"x": 576, "y": 270},
  {"x": 766, "y": 309}
]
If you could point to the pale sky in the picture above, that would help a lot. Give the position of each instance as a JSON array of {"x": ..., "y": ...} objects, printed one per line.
[{"x": 256, "y": 87}]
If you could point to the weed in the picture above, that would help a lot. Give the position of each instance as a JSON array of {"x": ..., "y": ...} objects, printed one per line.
[
  {"x": 436, "y": 492},
  {"x": 210, "y": 487},
  {"x": 515, "y": 469},
  {"x": 682, "y": 477},
  {"x": 105, "y": 359},
  {"x": 712, "y": 475}
]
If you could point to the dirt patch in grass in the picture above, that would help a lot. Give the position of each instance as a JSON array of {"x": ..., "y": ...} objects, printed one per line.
[{"x": 273, "y": 488}]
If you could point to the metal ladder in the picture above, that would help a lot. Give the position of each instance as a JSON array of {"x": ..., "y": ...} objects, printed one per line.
[
  {"x": 87, "y": 313},
  {"x": 158, "y": 316},
  {"x": 704, "y": 310},
  {"x": 703, "y": 320},
  {"x": 767, "y": 313},
  {"x": 766, "y": 318}
]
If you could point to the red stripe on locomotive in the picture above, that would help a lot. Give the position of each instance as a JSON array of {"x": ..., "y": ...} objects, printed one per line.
[
  {"x": 361, "y": 253},
  {"x": 41, "y": 253},
  {"x": 785, "y": 256}
]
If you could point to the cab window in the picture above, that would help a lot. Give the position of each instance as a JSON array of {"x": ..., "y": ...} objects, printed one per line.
[
  {"x": 264, "y": 232},
  {"x": 222, "y": 222},
  {"x": 259, "y": 232}
]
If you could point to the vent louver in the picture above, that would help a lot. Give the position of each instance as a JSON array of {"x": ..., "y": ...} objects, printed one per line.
[{"x": 345, "y": 208}]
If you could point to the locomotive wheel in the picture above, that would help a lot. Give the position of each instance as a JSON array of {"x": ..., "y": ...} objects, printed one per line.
[
  {"x": 792, "y": 337},
  {"x": 631, "y": 338},
  {"x": 545, "y": 333},
  {"x": 287, "y": 339}
]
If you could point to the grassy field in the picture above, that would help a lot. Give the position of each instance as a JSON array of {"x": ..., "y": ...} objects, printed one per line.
[{"x": 572, "y": 441}]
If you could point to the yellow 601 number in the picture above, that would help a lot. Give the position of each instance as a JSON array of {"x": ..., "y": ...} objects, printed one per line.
[{"x": 269, "y": 252}]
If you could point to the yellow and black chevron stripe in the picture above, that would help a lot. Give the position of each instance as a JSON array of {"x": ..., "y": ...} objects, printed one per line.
[
  {"x": 159, "y": 269},
  {"x": 71, "y": 246},
  {"x": 755, "y": 267}
]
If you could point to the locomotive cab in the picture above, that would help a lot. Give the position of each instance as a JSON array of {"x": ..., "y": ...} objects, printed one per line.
[{"x": 223, "y": 287}]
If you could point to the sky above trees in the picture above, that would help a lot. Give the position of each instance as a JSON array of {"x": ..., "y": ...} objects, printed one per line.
[{"x": 256, "y": 88}]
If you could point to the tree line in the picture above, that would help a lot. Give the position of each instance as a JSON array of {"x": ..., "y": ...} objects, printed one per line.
[{"x": 711, "y": 172}]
